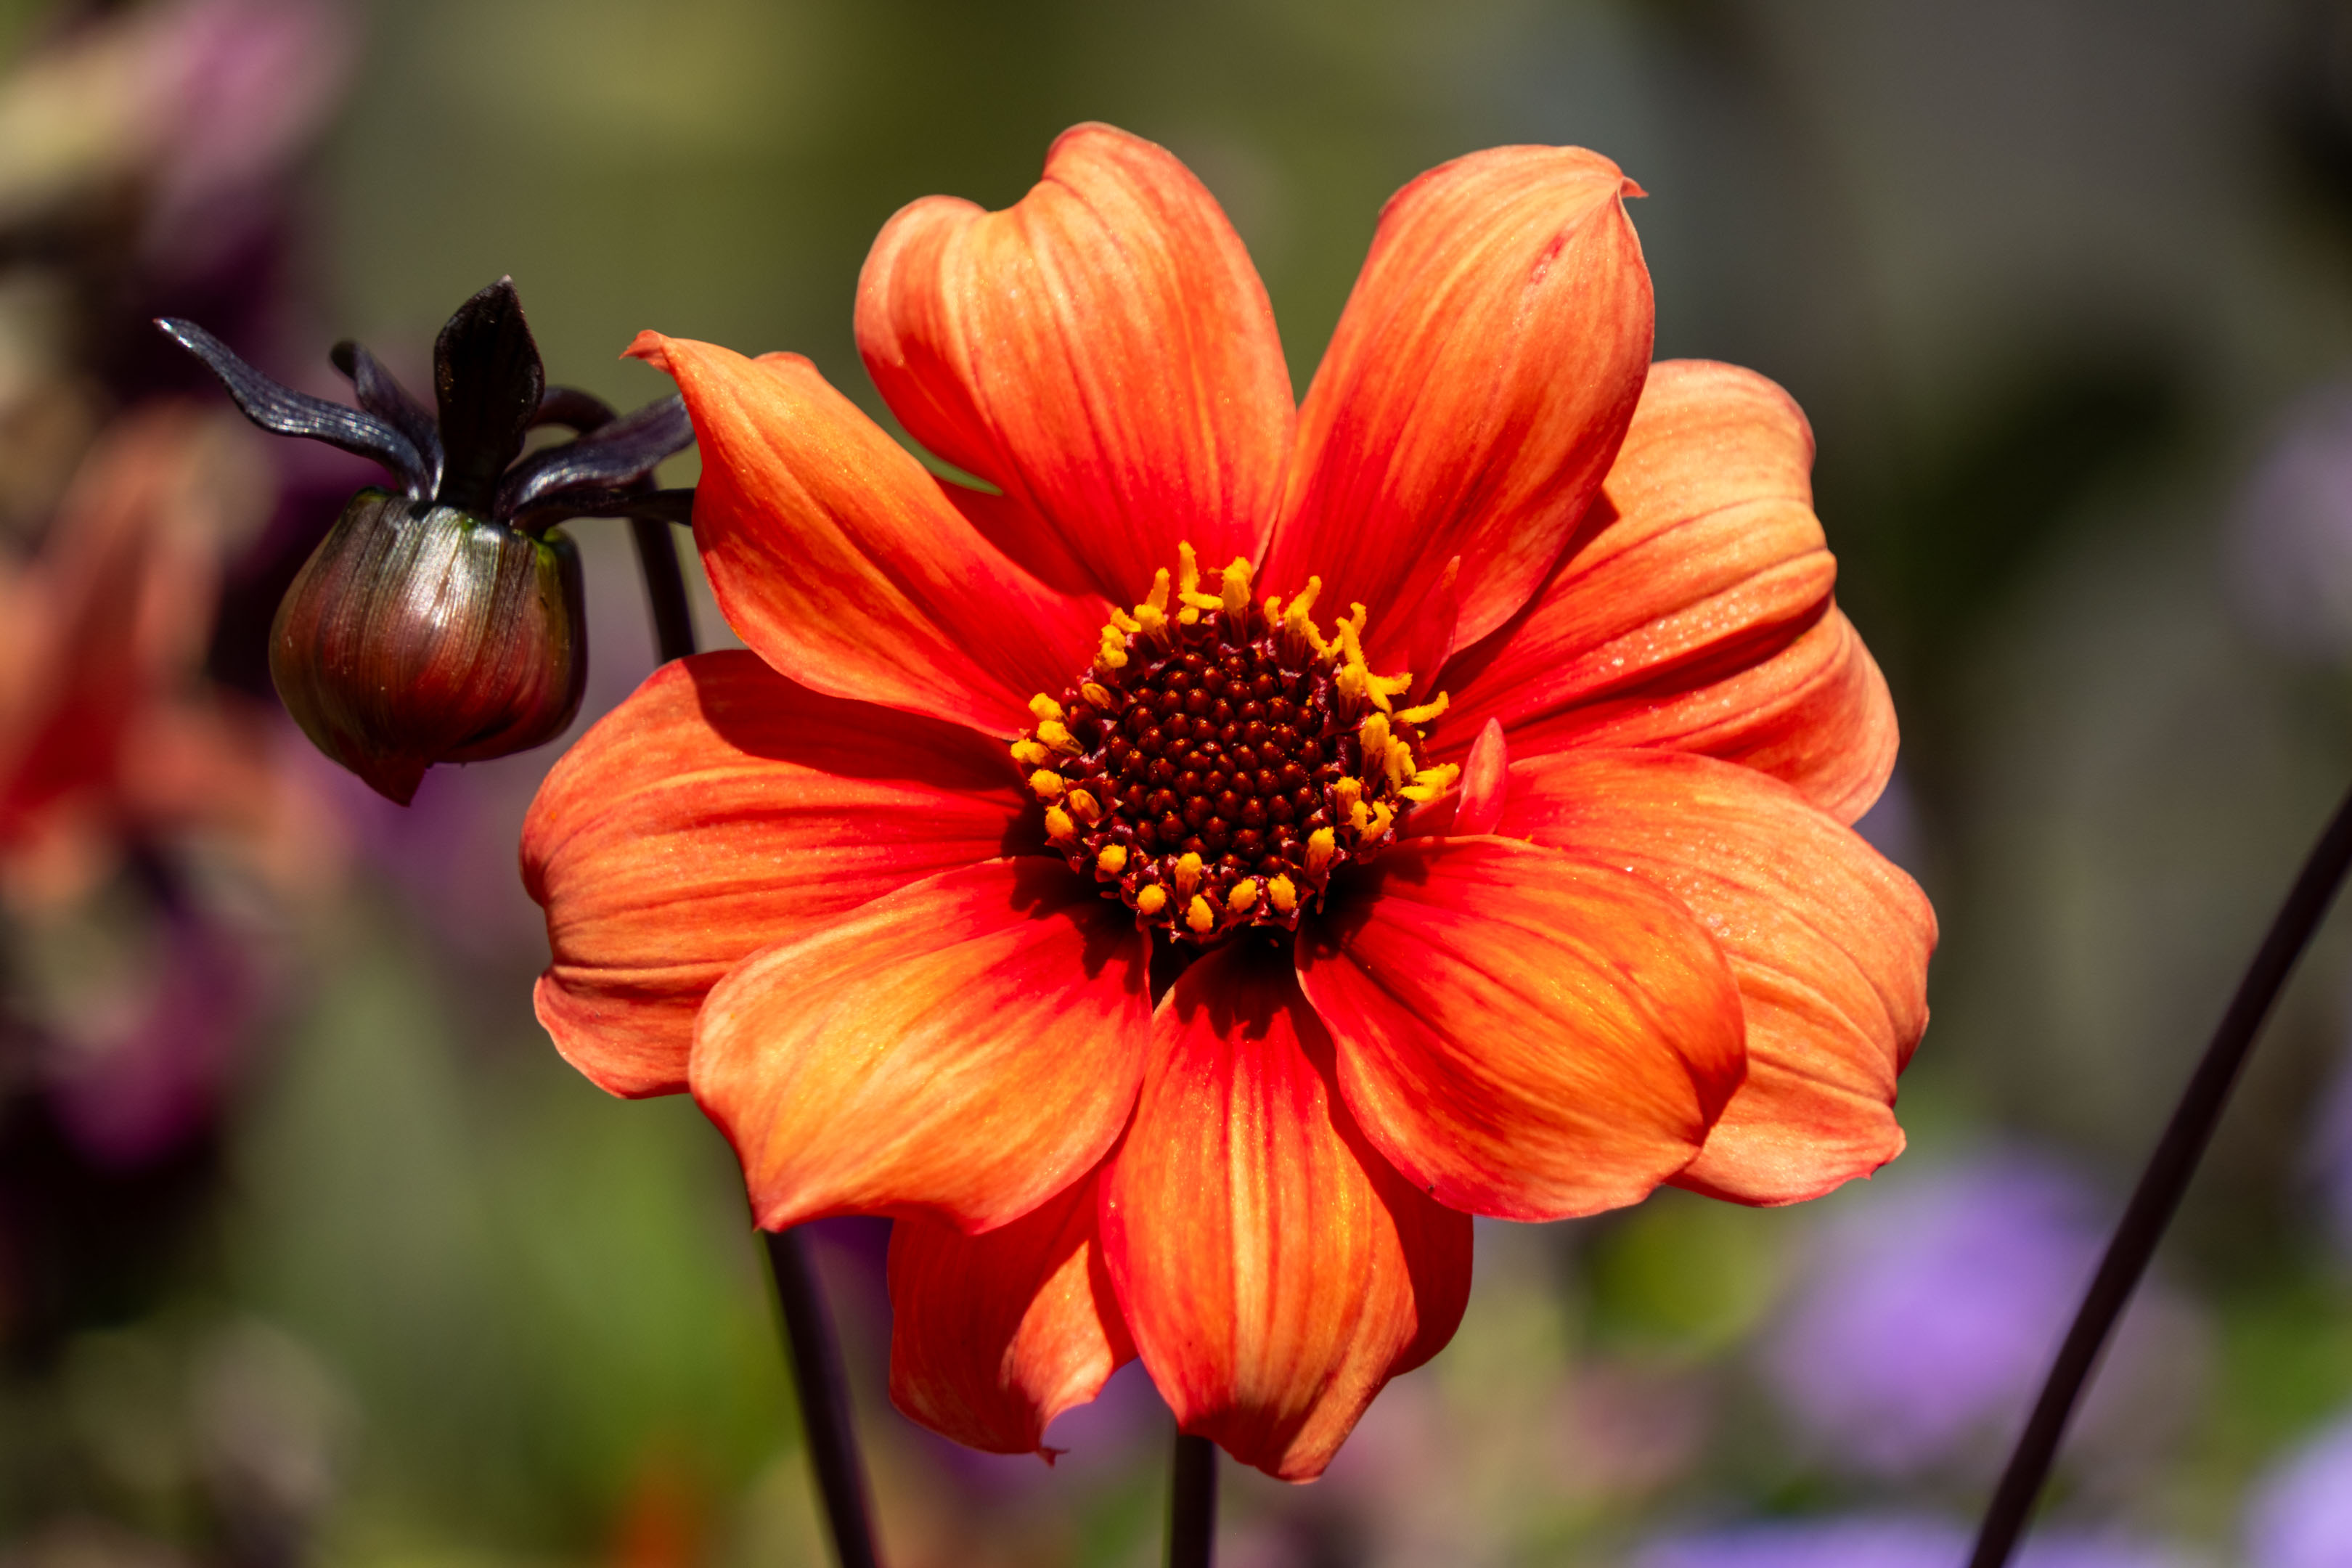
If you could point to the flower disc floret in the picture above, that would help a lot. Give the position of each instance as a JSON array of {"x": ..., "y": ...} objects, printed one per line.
[{"x": 1223, "y": 758}]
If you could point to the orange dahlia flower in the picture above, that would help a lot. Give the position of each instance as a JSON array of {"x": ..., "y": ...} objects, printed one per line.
[{"x": 1183, "y": 965}]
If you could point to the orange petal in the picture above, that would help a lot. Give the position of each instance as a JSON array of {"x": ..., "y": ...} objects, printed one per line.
[
  {"x": 1101, "y": 351},
  {"x": 1828, "y": 941},
  {"x": 719, "y": 810},
  {"x": 965, "y": 1048},
  {"x": 1694, "y": 609},
  {"x": 839, "y": 560},
  {"x": 1524, "y": 1033},
  {"x": 1276, "y": 1271},
  {"x": 1479, "y": 382},
  {"x": 992, "y": 1336}
]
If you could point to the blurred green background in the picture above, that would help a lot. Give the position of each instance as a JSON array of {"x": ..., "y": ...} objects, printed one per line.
[{"x": 2060, "y": 290}]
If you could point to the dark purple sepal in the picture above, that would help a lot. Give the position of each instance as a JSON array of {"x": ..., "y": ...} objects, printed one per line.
[
  {"x": 488, "y": 379},
  {"x": 290, "y": 412},
  {"x": 576, "y": 409},
  {"x": 381, "y": 394},
  {"x": 613, "y": 456}
]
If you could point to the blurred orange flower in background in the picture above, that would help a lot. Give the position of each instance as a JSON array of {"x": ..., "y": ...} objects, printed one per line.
[
  {"x": 108, "y": 733},
  {"x": 1183, "y": 971}
]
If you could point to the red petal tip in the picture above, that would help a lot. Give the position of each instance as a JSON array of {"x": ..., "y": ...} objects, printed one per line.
[
  {"x": 651, "y": 347},
  {"x": 1631, "y": 191}
]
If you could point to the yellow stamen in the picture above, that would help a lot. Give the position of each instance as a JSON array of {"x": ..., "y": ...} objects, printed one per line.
[
  {"x": 1030, "y": 755},
  {"x": 1200, "y": 916},
  {"x": 1244, "y": 895},
  {"x": 1236, "y": 586},
  {"x": 1157, "y": 598},
  {"x": 1188, "y": 571},
  {"x": 1382, "y": 818},
  {"x": 1188, "y": 875},
  {"x": 1112, "y": 860},
  {"x": 1058, "y": 825},
  {"x": 1294, "y": 619},
  {"x": 1049, "y": 783},
  {"x": 1085, "y": 807},
  {"x": 1321, "y": 845},
  {"x": 1431, "y": 782},
  {"x": 1095, "y": 696},
  {"x": 1373, "y": 732},
  {"x": 1045, "y": 707},
  {"x": 1056, "y": 734},
  {"x": 1359, "y": 817},
  {"x": 1283, "y": 894},
  {"x": 1150, "y": 900},
  {"x": 1190, "y": 616},
  {"x": 1398, "y": 764},
  {"x": 1346, "y": 794},
  {"x": 1384, "y": 687},
  {"x": 1425, "y": 712}
]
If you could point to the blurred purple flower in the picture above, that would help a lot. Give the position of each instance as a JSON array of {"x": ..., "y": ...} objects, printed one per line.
[
  {"x": 199, "y": 102},
  {"x": 2332, "y": 1157},
  {"x": 135, "y": 1083},
  {"x": 2290, "y": 538},
  {"x": 1891, "y": 1541},
  {"x": 2301, "y": 1515},
  {"x": 238, "y": 88},
  {"x": 1931, "y": 1311}
]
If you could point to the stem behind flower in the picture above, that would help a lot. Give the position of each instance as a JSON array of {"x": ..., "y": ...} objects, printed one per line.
[
  {"x": 1192, "y": 1502},
  {"x": 2161, "y": 1184}
]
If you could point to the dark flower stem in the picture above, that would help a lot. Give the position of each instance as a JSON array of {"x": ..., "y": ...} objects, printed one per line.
[
  {"x": 1192, "y": 1502},
  {"x": 2158, "y": 1197},
  {"x": 825, "y": 1401},
  {"x": 664, "y": 586},
  {"x": 808, "y": 1327}
]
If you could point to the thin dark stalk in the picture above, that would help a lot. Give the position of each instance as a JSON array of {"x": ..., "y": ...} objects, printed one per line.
[
  {"x": 808, "y": 1327},
  {"x": 825, "y": 1401},
  {"x": 1193, "y": 1503},
  {"x": 665, "y": 587},
  {"x": 2158, "y": 1197}
]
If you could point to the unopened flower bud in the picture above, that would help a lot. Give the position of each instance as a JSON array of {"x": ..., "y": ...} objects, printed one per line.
[
  {"x": 444, "y": 624},
  {"x": 419, "y": 633}
]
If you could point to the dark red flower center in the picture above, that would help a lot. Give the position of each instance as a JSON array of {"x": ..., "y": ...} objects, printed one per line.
[{"x": 1222, "y": 761}]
